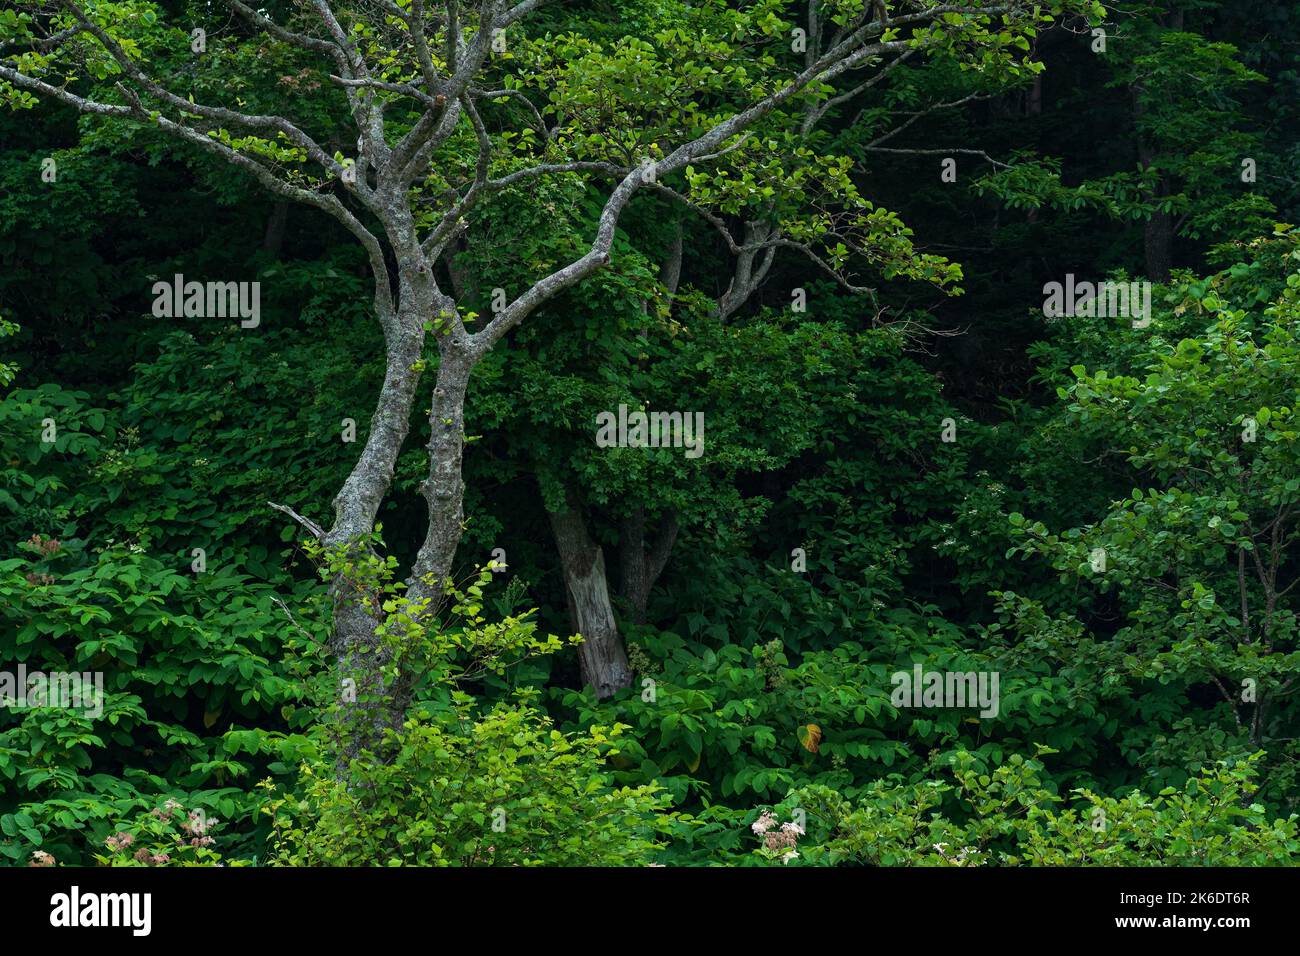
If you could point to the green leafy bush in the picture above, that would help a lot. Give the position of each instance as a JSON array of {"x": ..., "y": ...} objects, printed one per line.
[
  {"x": 459, "y": 782},
  {"x": 1010, "y": 817},
  {"x": 196, "y": 705}
]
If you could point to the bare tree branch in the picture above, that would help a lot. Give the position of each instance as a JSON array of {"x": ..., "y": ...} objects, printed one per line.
[{"x": 316, "y": 530}]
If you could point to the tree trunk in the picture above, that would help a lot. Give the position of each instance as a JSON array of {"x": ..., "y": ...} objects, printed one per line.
[
  {"x": 444, "y": 488},
  {"x": 1158, "y": 235},
  {"x": 274, "y": 236},
  {"x": 601, "y": 655},
  {"x": 751, "y": 268},
  {"x": 356, "y": 613},
  {"x": 642, "y": 570},
  {"x": 1158, "y": 242}
]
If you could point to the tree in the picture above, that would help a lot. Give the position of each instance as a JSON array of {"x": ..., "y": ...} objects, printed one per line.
[
  {"x": 675, "y": 317},
  {"x": 1191, "y": 574},
  {"x": 447, "y": 116}
]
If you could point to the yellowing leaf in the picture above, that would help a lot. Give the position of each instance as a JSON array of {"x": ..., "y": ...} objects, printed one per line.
[{"x": 810, "y": 736}]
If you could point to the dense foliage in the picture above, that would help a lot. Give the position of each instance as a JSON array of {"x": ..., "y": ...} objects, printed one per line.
[{"x": 908, "y": 467}]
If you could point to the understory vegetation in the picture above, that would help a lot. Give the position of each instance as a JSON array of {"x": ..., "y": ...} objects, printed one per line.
[{"x": 907, "y": 468}]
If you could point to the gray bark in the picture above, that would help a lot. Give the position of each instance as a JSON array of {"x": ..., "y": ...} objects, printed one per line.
[
  {"x": 444, "y": 488},
  {"x": 601, "y": 656},
  {"x": 357, "y": 613},
  {"x": 752, "y": 266}
]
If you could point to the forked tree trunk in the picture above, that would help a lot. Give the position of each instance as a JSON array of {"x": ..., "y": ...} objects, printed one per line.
[
  {"x": 641, "y": 569},
  {"x": 601, "y": 656},
  {"x": 369, "y": 705}
]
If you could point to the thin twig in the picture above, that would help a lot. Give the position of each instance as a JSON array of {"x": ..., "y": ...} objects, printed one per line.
[{"x": 317, "y": 531}]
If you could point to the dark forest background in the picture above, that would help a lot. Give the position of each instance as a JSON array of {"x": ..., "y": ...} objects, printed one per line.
[{"x": 1147, "y": 705}]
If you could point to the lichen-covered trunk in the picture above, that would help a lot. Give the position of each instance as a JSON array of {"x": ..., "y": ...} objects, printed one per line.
[
  {"x": 377, "y": 705},
  {"x": 364, "y": 699},
  {"x": 444, "y": 487},
  {"x": 601, "y": 655}
]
